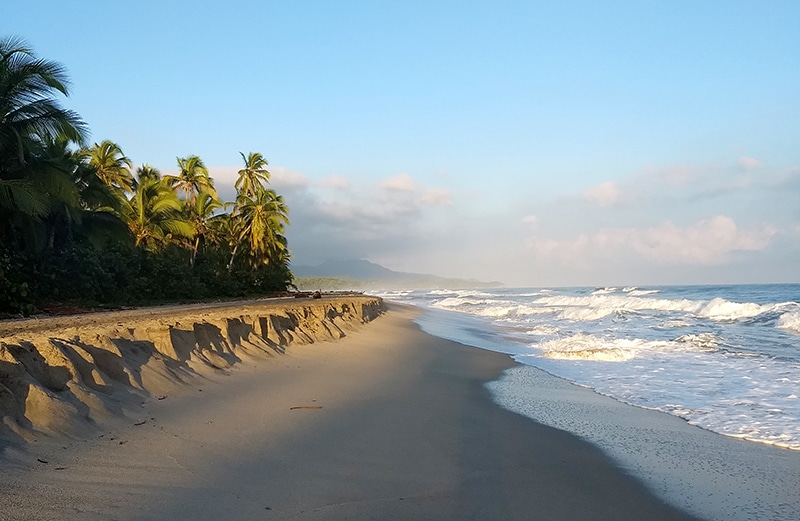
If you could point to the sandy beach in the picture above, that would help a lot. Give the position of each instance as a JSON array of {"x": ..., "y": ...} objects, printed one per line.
[{"x": 387, "y": 423}]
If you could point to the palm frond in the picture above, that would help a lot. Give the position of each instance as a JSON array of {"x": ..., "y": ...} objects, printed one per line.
[{"x": 23, "y": 196}]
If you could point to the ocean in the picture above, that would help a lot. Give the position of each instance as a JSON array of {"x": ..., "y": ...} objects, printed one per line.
[{"x": 724, "y": 358}]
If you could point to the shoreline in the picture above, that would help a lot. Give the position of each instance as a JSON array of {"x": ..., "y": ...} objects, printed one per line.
[
  {"x": 388, "y": 422},
  {"x": 700, "y": 471},
  {"x": 709, "y": 474}
]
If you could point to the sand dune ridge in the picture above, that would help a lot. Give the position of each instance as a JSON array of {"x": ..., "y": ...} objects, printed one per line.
[{"x": 66, "y": 375}]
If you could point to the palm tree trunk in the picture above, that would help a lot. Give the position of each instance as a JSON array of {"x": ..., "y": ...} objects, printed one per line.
[
  {"x": 233, "y": 254},
  {"x": 194, "y": 250}
]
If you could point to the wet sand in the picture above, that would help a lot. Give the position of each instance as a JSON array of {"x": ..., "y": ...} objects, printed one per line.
[{"x": 387, "y": 423}]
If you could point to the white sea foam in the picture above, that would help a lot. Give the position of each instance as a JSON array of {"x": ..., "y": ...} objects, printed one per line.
[
  {"x": 705, "y": 341},
  {"x": 457, "y": 303},
  {"x": 589, "y": 314},
  {"x": 675, "y": 323},
  {"x": 600, "y": 305},
  {"x": 721, "y": 309},
  {"x": 724, "y": 358},
  {"x": 598, "y": 355},
  {"x": 642, "y": 292},
  {"x": 474, "y": 293},
  {"x": 790, "y": 321},
  {"x": 589, "y": 347},
  {"x": 542, "y": 330},
  {"x": 594, "y": 307},
  {"x": 636, "y": 292},
  {"x": 487, "y": 307}
]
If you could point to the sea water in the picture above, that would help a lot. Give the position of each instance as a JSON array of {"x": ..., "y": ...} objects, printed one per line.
[{"x": 725, "y": 358}]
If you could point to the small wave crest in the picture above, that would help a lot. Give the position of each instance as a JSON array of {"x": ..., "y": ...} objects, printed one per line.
[
  {"x": 790, "y": 321},
  {"x": 598, "y": 306},
  {"x": 589, "y": 314},
  {"x": 583, "y": 346},
  {"x": 642, "y": 292},
  {"x": 702, "y": 341},
  {"x": 597, "y": 355},
  {"x": 458, "y": 303},
  {"x": 542, "y": 330},
  {"x": 589, "y": 347},
  {"x": 488, "y": 307},
  {"x": 724, "y": 310},
  {"x": 636, "y": 292}
]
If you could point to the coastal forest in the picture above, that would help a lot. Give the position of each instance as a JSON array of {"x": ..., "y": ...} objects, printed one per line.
[{"x": 81, "y": 227}]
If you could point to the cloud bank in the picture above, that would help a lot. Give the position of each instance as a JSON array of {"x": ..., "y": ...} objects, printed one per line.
[
  {"x": 660, "y": 224},
  {"x": 706, "y": 242}
]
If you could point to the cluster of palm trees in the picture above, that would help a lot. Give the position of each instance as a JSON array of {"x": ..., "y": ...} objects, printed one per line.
[
  {"x": 55, "y": 190},
  {"x": 185, "y": 209}
]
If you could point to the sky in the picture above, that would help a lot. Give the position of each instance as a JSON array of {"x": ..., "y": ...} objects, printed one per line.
[{"x": 534, "y": 143}]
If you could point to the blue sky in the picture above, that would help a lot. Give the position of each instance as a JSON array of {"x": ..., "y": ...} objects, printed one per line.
[{"x": 558, "y": 143}]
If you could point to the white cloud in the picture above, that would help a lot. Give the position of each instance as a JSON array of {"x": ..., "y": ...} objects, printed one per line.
[
  {"x": 335, "y": 181},
  {"x": 709, "y": 241},
  {"x": 222, "y": 175},
  {"x": 437, "y": 196},
  {"x": 604, "y": 194},
  {"x": 360, "y": 210},
  {"x": 282, "y": 178},
  {"x": 531, "y": 220},
  {"x": 400, "y": 183},
  {"x": 749, "y": 163},
  {"x": 706, "y": 242}
]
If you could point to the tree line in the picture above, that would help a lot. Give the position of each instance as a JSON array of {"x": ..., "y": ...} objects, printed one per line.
[{"x": 79, "y": 226}]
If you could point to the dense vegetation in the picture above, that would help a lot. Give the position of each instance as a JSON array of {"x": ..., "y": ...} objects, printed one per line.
[{"x": 79, "y": 227}]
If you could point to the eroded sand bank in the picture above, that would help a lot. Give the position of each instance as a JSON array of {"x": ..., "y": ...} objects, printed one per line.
[{"x": 69, "y": 375}]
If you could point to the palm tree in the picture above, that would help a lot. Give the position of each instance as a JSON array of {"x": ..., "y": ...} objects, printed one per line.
[
  {"x": 77, "y": 199},
  {"x": 227, "y": 229},
  {"x": 28, "y": 109},
  {"x": 192, "y": 179},
  {"x": 112, "y": 166},
  {"x": 144, "y": 172},
  {"x": 254, "y": 176},
  {"x": 30, "y": 117},
  {"x": 263, "y": 218},
  {"x": 205, "y": 206},
  {"x": 101, "y": 206},
  {"x": 154, "y": 215}
]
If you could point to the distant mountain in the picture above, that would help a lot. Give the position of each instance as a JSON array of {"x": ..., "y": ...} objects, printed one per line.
[{"x": 363, "y": 273}]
